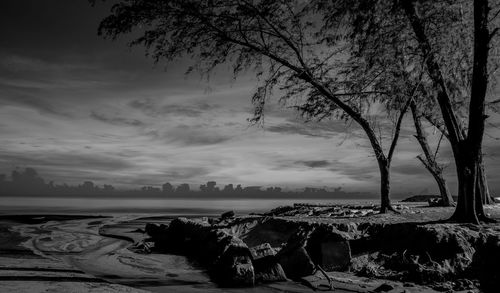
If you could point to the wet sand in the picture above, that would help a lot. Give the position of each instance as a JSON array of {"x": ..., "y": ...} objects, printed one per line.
[{"x": 67, "y": 254}]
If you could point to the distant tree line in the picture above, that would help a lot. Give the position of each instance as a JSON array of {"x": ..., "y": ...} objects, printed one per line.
[{"x": 28, "y": 182}]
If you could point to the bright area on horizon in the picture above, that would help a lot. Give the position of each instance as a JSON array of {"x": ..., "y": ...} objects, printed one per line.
[{"x": 77, "y": 107}]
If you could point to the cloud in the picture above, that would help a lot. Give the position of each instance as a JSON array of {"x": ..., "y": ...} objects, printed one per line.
[
  {"x": 289, "y": 128},
  {"x": 192, "y": 135},
  {"x": 314, "y": 164},
  {"x": 117, "y": 120},
  {"x": 72, "y": 160},
  {"x": 317, "y": 129},
  {"x": 176, "y": 174},
  {"x": 410, "y": 168},
  {"x": 39, "y": 104},
  {"x": 154, "y": 109}
]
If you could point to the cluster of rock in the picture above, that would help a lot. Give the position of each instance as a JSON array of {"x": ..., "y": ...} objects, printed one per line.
[
  {"x": 448, "y": 256},
  {"x": 230, "y": 261},
  {"x": 245, "y": 251},
  {"x": 329, "y": 211}
]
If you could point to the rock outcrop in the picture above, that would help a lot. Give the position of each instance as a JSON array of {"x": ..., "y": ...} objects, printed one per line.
[
  {"x": 291, "y": 248},
  {"x": 227, "y": 257}
]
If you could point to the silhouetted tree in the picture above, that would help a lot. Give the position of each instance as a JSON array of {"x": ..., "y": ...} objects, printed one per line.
[
  {"x": 184, "y": 187},
  {"x": 211, "y": 186},
  {"x": 167, "y": 188},
  {"x": 108, "y": 188},
  {"x": 203, "y": 188},
  {"x": 228, "y": 188},
  {"x": 88, "y": 186}
]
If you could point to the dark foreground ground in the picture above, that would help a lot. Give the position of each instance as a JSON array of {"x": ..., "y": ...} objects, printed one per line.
[{"x": 41, "y": 253}]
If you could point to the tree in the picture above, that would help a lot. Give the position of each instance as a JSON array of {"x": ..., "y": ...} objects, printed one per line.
[
  {"x": 436, "y": 34},
  {"x": 108, "y": 188},
  {"x": 167, "y": 188},
  {"x": 466, "y": 142},
  {"x": 211, "y": 186},
  {"x": 228, "y": 188},
  {"x": 184, "y": 187},
  {"x": 429, "y": 159},
  {"x": 282, "y": 41}
]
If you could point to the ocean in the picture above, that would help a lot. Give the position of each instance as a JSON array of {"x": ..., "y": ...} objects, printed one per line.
[{"x": 173, "y": 207}]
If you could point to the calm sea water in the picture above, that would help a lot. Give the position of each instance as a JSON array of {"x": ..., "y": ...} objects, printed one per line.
[{"x": 39, "y": 205}]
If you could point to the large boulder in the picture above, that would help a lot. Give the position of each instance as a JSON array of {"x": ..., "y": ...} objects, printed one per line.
[
  {"x": 233, "y": 267},
  {"x": 267, "y": 268},
  {"x": 158, "y": 234},
  {"x": 294, "y": 258},
  {"x": 329, "y": 248}
]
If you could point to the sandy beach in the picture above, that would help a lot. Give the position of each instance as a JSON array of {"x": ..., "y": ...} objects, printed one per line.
[{"x": 71, "y": 253}]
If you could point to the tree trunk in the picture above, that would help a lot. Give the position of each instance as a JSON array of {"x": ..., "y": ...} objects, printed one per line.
[
  {"x": 482, "y": 184},
  {"x": 437, "y": 172},
  {"x": 385, "y": 188},
  {"x": 467, "y": 206},
  {"x": 444, "y": 191},
  {"x": 384, "y": 164},
  {"x": 429, "y": 161}
]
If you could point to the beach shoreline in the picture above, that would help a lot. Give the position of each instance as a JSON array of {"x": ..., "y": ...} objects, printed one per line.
[{"x": 92, "y": 252}]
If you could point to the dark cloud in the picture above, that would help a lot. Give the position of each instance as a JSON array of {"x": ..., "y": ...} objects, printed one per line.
[
  {"x": 72, "y": 161},
  {"x": 314, "y": 164},
  {"x": 413, "y": 168},
  {"x": 117, "y": 120},
  {"x": 323, "y": 129},
  {"x": 176, "y": 174},
  {"x": 152, "y": 108},
  {"x": 190, "y": 135},
  {"x": 289, "y": 128},
  {"x": 38, "y": 104}
]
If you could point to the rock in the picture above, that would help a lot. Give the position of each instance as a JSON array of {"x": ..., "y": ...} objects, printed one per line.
[
  {"x": 435, "y": 202},
  {"x": 234, "y": 266},
  {"x": 142, "y": 246},
  {"x": 227, "y": 215},
  {"x": 242, "y": 275},
  {"x": 152, "y": 229},
  {"x": 279, "y": 210},
  {"x": 294, "y": 258},
  {"x": 384, "y": 288},
  {"x": 158, "y": 234},
  {"x": 329, "y": 248},
  {"x": 267, "y": 268},
  {"x": 262, "y": 250},
  {"x": 486, "y": 262}
]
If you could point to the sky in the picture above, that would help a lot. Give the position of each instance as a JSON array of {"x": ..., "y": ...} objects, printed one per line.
[{"x": 78, "y": 107}]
